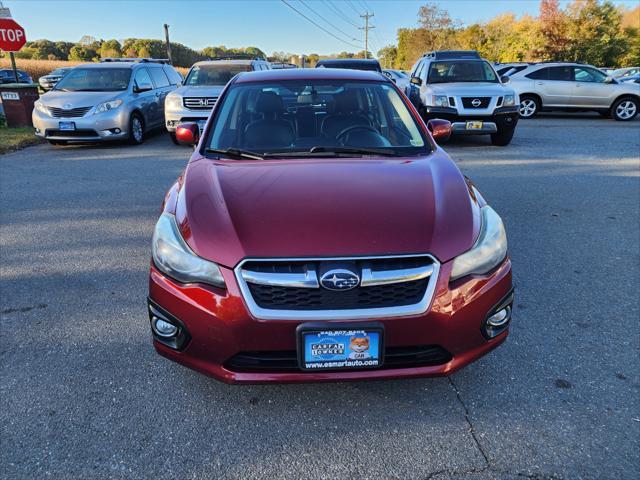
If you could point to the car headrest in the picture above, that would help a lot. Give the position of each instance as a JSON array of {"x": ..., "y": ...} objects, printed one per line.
[
  {"x": 269, "y": 102},
  {"x": 346, "y": 102}
]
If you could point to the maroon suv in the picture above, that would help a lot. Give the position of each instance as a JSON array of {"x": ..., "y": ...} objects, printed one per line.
[{"x": 318, "y": 233}]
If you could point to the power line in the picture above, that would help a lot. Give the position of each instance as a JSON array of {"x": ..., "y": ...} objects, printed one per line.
[
  {"x": 316, "y": 24},
  {"x": 329, "y": 23},
  {"x": 352, "y": 7},
  {"x": 340, "y": 14}
]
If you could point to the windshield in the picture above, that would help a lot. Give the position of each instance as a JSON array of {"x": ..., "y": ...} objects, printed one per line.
[
  {"x": 214, "y": 74},
  {"x": 326, "y": 115},
  {"x": 461, "y": 71},
  {"x": 95, "y": 80}
]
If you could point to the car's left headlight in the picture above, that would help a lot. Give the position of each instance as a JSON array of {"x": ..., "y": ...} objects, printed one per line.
[
  {"x": 488, "y": 251},
  {"x": 172, "y": 102},
  {"x": 509, "y": 100},
  {"x": 440, "y": 101},
  {"x": 39, "y": 106},
  {"x": 106, "y": 106},
  {"x": 172, "y": 256}
]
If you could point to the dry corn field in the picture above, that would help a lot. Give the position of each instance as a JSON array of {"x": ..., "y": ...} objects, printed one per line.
[{"x": 38, "y": 68}]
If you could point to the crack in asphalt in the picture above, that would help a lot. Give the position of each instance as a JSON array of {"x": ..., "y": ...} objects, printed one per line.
[{"x": 487, "y": 466}]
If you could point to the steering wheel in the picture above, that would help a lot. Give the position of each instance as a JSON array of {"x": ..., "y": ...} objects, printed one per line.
[{"x": 348, "y": 130}]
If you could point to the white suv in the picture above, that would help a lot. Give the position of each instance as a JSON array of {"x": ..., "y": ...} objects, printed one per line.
[
  {"x": 194, "y": 101},
  {"x": 461, "y": 87}
]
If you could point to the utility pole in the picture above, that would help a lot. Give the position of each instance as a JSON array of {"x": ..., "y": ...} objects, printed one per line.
[
  {"x": 166, "y": 36},
  {"x": 366, "y": 29}
]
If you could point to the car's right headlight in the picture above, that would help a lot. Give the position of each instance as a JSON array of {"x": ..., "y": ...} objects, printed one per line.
[
  {"x": 39, "y": 106},
  {"x": 488, "y": 251},
  {"x": 172, "y": 256},
  {"x": 173, "y": 101},
  {"x": 440, "y": 101}
]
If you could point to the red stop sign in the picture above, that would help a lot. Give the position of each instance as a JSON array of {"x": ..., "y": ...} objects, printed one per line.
[{"x": 12, "y": 36}]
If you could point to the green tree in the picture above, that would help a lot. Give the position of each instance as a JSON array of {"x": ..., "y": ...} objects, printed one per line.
[
  {"x": 388, "y": 55},
  {"x": 594, "y": 32},
  {"x": 111, "y": 49},
  {"x": 79, "y": 53}
]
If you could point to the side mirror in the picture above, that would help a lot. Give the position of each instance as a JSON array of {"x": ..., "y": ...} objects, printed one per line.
[
  {"x": 440, "y": 129},
  {"x": 505, "y": 79},
  {"x": 416, "y": 81},
  {"x": 188, "y": 134},
  {"x": 610, "y": 79},
  {"x": 145, "y": 87}
]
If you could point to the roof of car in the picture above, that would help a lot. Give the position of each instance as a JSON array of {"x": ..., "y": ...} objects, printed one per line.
[
  {"x": 244, "y": 61},
  {"x": 120, "y": 64},
  {"x": 310, "y": 74}
]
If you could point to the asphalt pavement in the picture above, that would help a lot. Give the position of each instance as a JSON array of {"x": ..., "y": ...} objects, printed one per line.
[{"x": 83, "y": 395}]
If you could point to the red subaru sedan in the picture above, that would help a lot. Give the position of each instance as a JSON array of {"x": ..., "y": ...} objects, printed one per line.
[{"x": 319, "y": 233}]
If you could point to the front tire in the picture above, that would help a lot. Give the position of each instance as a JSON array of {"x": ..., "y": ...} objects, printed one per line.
[
  {"x": 136, "y": 129},
  {"x": 625, "y": 109},
  {"x": 529, "y": 106},
  {"x": 502, "y": 138}
]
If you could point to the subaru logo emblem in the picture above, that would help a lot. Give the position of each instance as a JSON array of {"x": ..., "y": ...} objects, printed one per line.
[
  {"x": 476, "y": 102},
  {"x": 339, "y": 279},
  {"x": 67, "y": 106}
]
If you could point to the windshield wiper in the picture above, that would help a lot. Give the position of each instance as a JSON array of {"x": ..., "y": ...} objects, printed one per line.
[
  {"x": 360, "y": 150},
  {"x": 235, "y": 153}
]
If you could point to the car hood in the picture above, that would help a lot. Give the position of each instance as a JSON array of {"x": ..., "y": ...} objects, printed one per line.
[
  {"x": 476, "y": 89},
  {"x": 200, "y": 91},
  {"x": 68, "y": 100},
  {"x": 230, "y": 210}
]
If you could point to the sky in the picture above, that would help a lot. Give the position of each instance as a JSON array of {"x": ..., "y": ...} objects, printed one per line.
[{"x": 267, "y": 24}]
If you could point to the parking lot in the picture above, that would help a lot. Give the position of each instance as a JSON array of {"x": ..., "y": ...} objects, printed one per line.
[{"x": 84, "y": 395}]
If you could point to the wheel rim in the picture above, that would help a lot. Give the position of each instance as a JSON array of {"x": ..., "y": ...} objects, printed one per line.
[
  {"x": 137, "y": 129},
  {"x": 626, "y": 109},
  {"x": 527, "y": 107}
]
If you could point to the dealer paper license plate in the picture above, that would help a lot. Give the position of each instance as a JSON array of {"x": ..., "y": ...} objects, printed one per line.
[
  {"x": 341, "y": 349},
  {"x": 474, "y": 125}
]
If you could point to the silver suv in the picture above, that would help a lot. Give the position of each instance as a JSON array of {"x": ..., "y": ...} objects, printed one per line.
[
  {"x": 574, "y": 86},
  {"x": 194, "y": 101},
  {"x": 116, "y": 99},
  {"x": 461, "y": 87}
]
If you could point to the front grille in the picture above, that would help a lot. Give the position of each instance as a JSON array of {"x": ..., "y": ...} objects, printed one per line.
[
  {"x": 71, "y": 133},
  {"x": 71, "y": 113},
  {"x": 199, "y": 103},
  {"x": 286, "y": 288},
  {"x": 467, "y": 102},
  {"x": 287, "y": 360},
  {"x": 285, "y": 298}
]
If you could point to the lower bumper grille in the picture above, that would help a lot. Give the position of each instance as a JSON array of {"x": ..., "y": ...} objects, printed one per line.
[
  {"x": 71, "y": 133},
  {"x": 287, "y": 361}
]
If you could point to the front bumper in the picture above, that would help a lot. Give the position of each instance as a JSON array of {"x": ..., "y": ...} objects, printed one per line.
[
  {"x": 111, "y": 125},
  {"x": 174, "y": 117},
  {"x": 503, "y": 118},
  {"x": 220, "y": 327}
]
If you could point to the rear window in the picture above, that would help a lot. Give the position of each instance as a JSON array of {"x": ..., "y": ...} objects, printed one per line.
[
  {"x": 159, "y": 78},
  {"x": 174, "y": 77}
]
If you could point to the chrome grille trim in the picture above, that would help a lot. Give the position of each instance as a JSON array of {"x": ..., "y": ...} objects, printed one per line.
[
  {"x": 309, "y": 279},
  {"x": 387, "y": 277},
  {"x": 199, "y": 103},
  {"x": 342, "y": 314}
]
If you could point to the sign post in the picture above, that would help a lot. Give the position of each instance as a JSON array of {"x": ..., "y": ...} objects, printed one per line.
[{"x": 12, "y": 39}]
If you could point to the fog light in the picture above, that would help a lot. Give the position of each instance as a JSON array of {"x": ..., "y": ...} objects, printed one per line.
[
  {"x": 117, "y": 130},
  {"x": 163, "y": 329},
  {"x": 500, "y": 318}
]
